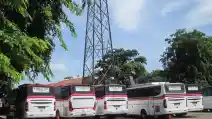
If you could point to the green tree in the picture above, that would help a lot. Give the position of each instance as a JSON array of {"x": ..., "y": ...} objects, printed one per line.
[
  {"x": 28, "y": 29},
  {"x": 188, "y": 57},
  {"x": 154, "y": 76},
  {"x": 126, "y": 63},
  {"x": 158, "y": 72}
]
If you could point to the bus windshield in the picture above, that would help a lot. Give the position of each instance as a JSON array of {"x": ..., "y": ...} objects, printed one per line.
[
  {"x": 192, "y": 89},
  {"x": 81, "y": 89},
  {"x": 174, "y": 88},
  {"x": 40, "y": 90},
  {"x": 115, "y": 90}
]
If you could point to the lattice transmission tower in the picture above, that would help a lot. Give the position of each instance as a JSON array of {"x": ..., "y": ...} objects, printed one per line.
[{"x": 98, "y": 39}]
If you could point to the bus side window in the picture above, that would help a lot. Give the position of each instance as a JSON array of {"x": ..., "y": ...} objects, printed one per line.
[
  {"x": 156, "y": 90},
  {"x": 149, "y": 91},
  {"x": 131, "y": 93},
  {"x": 141, "y": 92}
]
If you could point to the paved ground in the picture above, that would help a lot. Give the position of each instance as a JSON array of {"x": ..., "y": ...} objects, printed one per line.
[
  {"x": 193, "y": 115},
  {"x": 197, "y": 115}
]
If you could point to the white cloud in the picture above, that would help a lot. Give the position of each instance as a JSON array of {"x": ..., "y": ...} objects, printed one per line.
[
  {"x": 200, "y": 15},
  {"x": 175, "y": 5},
  {"x": 58, "y": 67},
  {"x": 197, "y": 12},
  {"x": 127, "y": 13}
]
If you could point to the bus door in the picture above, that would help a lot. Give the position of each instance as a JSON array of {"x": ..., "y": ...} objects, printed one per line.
[
  {"x": 151, "y": 105},
  {"x": 158, "y": 101},
  {"x": 148, "y": 91}
]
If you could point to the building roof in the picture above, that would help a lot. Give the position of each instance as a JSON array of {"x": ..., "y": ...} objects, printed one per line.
[{"x": 76, "y": 81}]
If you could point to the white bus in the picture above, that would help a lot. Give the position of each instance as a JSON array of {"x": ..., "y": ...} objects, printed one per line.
[
  {"x": 75, "y": 101},
  {"x": 156, "y": 99},
  {"x": 35, "y": 101},
  {"x": 194, "y": 98},
  {"x": 111, "y": 100},
  {"x": 207, "y": 98}
]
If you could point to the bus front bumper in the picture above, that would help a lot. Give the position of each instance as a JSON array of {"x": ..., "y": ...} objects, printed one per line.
[{"x": 40, "y": 115}]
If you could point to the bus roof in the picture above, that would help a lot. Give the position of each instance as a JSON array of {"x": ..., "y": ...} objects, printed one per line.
[
  {"x": 73, "y": 85},
  {"x": 150, "y": 84},
  {"x": 36, "y": 84},
  {"x": 108, "y": 85}
]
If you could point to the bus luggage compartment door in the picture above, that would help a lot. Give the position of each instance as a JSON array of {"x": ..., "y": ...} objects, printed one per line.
[
  {"x": 83, "y": 102},
  {"x": 41, "y": 107},
  {"x": 116, "y": 105}
]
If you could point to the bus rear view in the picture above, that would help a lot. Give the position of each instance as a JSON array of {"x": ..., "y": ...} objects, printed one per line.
[
  {"x": 175, "y": 100},
  {"x": 111, "y": 100},
  {"x": 194, "y": 98},
  {"x": 35, "y": 101},
  {"x": 75, "y": 101}
]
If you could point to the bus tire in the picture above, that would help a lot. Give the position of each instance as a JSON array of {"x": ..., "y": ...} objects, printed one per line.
[{"x": 144, "y": 114}]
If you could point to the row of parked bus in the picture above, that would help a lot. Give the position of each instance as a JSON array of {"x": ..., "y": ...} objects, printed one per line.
[{"x": 151, "y": 99}]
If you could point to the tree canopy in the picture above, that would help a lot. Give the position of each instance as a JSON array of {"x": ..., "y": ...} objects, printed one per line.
[
  {"x": 188, "y": 57},
  {"x": 28, "y": 30},
  {"x": 126, "y": 63},
  {"x": 157, "y": 75}
]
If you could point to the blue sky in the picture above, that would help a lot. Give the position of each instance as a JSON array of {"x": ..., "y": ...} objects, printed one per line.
[{"x": 138, "y": 24}]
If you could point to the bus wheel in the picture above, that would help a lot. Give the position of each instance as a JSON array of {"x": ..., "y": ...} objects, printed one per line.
[{"x": 144, "y": 114}]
